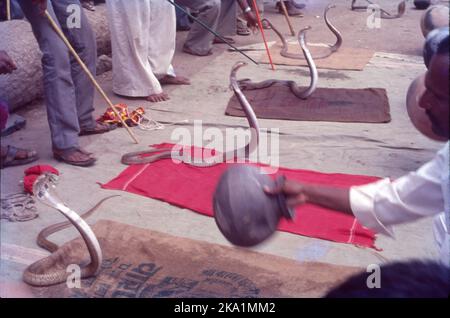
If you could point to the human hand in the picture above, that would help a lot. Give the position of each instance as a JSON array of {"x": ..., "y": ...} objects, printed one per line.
[
  {"x": 294, "y": 192},
  {"x": 252, "y": 21},
  {"x": 6, "y": 63}
]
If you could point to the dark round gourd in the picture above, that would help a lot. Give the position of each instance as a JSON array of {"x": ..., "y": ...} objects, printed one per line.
[{"x": 244, "y": 213}]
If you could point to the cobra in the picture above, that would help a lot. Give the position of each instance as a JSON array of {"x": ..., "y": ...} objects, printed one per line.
[
  {"x": 153, "y": 154},
  {"x": 46, "y": 272},
  {"x": 331, "y": 48},
  {"x": 247, "y": 84}
]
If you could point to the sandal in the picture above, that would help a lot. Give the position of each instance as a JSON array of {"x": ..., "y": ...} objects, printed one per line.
[
  {"x": 100, "y": 128},
  {"x": 67, "y": 156},
  {"x": 10, "y": 159},
  {"x": 89, "y": 5}
]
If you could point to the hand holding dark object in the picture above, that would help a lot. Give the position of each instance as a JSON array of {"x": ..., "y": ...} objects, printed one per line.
[
  {"x": 294, "y": 192},
  {"x": 244, "y": 213},
  {"x": 42, "y": 5},
  {"x": 6, "y": 63}
]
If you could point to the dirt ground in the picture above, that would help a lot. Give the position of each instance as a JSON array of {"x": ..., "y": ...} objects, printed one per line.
[{"x": 385, "y": 150}]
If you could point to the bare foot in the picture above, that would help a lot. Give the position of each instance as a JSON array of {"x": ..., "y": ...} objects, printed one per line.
[
  {"x": 155, "y": 98},
  {"x": 174, "y": 80}
]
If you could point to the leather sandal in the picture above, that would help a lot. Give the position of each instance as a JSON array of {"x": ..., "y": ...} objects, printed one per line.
[
  {"x": 89, "y": 5},
  {"x": 67, "y": 156},
  {"x": 100, "y": 128},
  {"x": 10, "y": 159}
]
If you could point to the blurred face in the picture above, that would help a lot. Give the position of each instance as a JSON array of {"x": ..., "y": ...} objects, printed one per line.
[{"x": 435, "y": 100}]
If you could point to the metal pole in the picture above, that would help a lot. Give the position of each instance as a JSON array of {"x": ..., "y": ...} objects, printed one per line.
[{"x": 262, "y": 33}]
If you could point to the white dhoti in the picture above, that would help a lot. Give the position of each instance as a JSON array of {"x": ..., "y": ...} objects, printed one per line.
[{"x": 143, "y": 44}]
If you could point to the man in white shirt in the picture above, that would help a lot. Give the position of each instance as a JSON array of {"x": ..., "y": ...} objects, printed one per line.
[{"x": 421, "y": 193}]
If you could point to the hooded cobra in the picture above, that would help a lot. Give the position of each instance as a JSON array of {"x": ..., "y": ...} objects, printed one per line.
[
  {"x": 246, "y": 84},
  {"x": 401, "y": 9},
  {"x": 152, "y": 155},
  {"x": 48, "y": 271},
  {"x": 332, "y": 48}
]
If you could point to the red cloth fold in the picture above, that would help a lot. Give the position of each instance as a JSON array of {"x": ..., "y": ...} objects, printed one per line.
[
  {"x": 40, "y": 169},
  {"x": 193, "y": 188},
  {"x": 32, "y": 173}
]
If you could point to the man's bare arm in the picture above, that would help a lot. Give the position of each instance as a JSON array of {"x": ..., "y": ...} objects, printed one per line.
[
  {"x": 327, "y": 197},
  {"x": 252, "y": 22}
]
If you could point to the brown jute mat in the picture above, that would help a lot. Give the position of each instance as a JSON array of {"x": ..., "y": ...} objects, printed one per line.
[
  {"x": 346, "y": 58},
  {"x": 369, "y": 105},
  {"x": 143, "y": 263}
]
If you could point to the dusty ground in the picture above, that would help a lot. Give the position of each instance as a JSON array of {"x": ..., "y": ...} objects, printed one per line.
[{"x": 385, "y": 150}]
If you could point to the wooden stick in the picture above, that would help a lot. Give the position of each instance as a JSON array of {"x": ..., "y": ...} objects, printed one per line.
[
  {"x": 286, "y": 15},
  {"x": 89, "y": 74},
  {"x": 263, "y": 34},
  {"x": 8, "y": 10}
]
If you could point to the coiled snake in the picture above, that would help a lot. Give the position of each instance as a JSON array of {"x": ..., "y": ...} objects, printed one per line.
[
  {"x": 48, "y": 271},
  {"x": 246, "y": 84},
  {"x": 331, "y": 48}
]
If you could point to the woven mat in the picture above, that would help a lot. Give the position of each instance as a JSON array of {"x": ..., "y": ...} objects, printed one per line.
[
  {"x": 352, "y": 59},
  {"x": 143, "y": 263},
  {"x": 370, "y": 105}
]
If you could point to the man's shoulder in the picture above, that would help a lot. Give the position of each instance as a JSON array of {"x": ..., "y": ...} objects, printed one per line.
[{"x": 444, "y": 151}]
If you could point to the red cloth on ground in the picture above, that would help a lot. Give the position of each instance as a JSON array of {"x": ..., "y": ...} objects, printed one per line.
[
  {"x": 193, "y": 188},
  {"x": 40, "y": 169}
]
